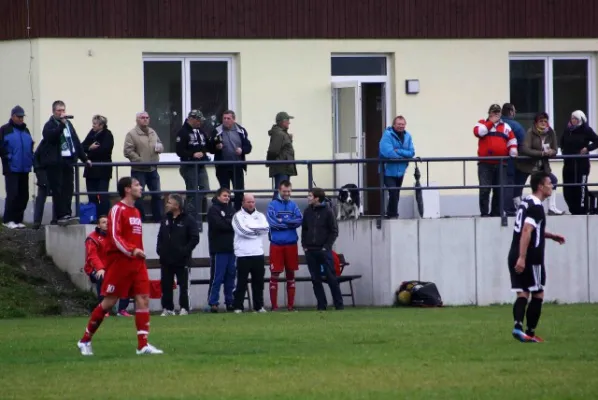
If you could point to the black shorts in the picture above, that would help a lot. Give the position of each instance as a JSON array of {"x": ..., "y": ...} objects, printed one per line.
[{"x": 532, "y": 279}]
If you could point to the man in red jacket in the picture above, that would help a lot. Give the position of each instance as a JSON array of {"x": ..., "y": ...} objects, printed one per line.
[
  {"x": 496, "y": 139},
  {"x": 95, "y": 263}
]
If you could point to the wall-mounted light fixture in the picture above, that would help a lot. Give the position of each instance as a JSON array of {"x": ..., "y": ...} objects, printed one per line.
[{"x": 412, "y": 86}]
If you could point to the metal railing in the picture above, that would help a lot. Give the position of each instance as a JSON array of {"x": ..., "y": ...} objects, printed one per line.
[{"x": 360, "y": 162}]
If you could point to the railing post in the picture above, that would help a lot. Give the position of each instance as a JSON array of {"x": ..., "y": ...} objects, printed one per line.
[
  {"x": 77, "y": 190},
  {"x": 196, "y": 197},
  {"x": 310, "y": 176},
  {"x": 381, "y": 191},
  {"x": 501, "y": 194}
]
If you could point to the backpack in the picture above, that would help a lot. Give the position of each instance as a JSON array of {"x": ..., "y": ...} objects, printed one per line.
[{"x": 418, "y": 294}]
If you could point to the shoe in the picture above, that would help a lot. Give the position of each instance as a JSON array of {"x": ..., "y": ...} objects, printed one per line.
[
  {"x": 36, "y": 226},
  {"x": 149, "y": 349},
  {"x": 183, "y": 312},
  {"x": 123, "y": 313},
  {"x": 552, "y": 209},
  {"x": 238, "y": 311},
  {"x": 106, "y": 315},
  {"x": 214, "y": 308},
  {"x": 292, "y": 309},
  {"x": 519, "y": 335},
  {"x": 21, "y": 226},
  {"x": 166, "y": 313},
  {"x": 85, "y": 348},
  {"x": 261, "y": 310},
  {"x": 230, "y": 308},
  {"x": 10, "y": 225},
  {"x": 536, "y": 339}
]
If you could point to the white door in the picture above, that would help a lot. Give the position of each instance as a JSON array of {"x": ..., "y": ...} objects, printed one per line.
[{"x": 348, "y": 136}]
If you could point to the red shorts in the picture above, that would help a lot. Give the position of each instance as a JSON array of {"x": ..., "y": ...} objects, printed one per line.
[
  {"x": 283, "y": 257},
  {"x": 125, "y": 281}
]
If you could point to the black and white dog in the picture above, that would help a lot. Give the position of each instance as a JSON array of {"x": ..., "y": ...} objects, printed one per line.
[{"x": 348, "y": 203}]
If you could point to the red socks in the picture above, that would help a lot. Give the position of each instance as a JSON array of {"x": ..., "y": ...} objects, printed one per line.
[
  {"x": 274, "y": 290},
  {"x": 97, "y": 316},
  {"x": 142, "y": 322},
  {"x": 290, "y": 288}
]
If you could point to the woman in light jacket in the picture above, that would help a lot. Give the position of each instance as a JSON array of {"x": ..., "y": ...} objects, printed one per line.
[{"x": 539, "y": 144}]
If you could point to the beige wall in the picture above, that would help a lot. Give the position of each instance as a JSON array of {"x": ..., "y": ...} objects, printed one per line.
[{"x": 459, "y": 79}]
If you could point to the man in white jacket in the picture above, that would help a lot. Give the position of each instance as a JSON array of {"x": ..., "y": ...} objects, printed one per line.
[{"x": 250, "y": 226}]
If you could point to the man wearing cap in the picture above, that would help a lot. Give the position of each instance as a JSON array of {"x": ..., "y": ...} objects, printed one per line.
[
  {"x": 281, "y": 149},
  {"x": 495, "y": 139},
  {"x": 230, "y": 142},
  {"x": 192, "y": 145},
  {"x": 16, "y": 150}
]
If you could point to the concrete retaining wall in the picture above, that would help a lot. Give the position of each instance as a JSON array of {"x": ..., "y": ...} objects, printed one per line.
[{"x": 465, "y": 257}]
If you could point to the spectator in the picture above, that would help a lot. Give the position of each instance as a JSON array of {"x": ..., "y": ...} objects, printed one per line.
[
  {"x": 16, "y": 151},
  {"x": 142, "y": 145},
  {"x": 98, "y": 146},
  {"x": 222, "y": 254},
  {"x": 281, "y": 148},
  {"x": 396, "y": 144},
  {"x": 177, "y": 238},
  {"x": 192, "y": 145},
  {"x": 43, "y": 191},
  {"x": 230, "y": 142},
  {"x": 540, "y": 144},
  {"x": 250, "y": 226},
  {"x": 95, "y": 263},
  {"x": 512, "y": 197},
  {"x": 284, "y": 218},
  {"x": 578, "y": 138},
  {"x": 496, "y": 139},
  {"x": 319, "y": 231},
  {"x": 59, "y": 152}
]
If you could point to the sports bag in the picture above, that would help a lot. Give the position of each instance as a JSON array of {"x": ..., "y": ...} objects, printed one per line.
[{"x": 418, "y": 294}]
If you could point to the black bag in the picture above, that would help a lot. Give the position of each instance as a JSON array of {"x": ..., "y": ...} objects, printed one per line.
[{"x": 418, "y": 294}]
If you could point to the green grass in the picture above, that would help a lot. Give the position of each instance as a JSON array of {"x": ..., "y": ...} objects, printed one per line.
[{"x": 451, "y": 353}]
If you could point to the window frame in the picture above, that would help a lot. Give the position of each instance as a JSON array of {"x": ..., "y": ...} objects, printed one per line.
[
  {"x": 186, "y": 60},
  {"x": 548, "y": 58}
]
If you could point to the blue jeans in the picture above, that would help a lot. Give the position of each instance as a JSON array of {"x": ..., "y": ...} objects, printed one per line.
[
  {"x": 224, "y": 273},
  {"x": 122, "y": 304},
  {"x": 151, "y": 179},
  {"x": 277, "y": 179},
  {"x": 316, "y": 261},
  {"x": 520, "y": 178},
  {"x": 392, "y": 209}
]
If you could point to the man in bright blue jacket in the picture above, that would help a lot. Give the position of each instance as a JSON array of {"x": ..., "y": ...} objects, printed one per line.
[
  {"x": 514, "y": 176},
  {"x": 284, "y": 217},
  {"x": 16, "y": 150},
  {"x": 396, "y": 144}
]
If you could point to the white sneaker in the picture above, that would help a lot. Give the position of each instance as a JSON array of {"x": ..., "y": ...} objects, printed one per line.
[
  {"x": 85, "y": 348},
  {"x": 149, "y": 349},
  {"x": 10, "y": 225},
  {"x": 166, "y": 313},
  {"x": 183, "y": 312},
  {"x": 552, "y": 209},
  {"x": 21, "y": 226},
  {"x": 262, "y": 310},
  {"x": 238, "y": 311}
]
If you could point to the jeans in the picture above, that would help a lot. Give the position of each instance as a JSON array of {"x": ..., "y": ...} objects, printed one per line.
[
  {"x": 224, "y": 273},
  {"x": 17, "y": 196},
  {"x": 392, "y": 209},
  {"x": 236, "y": 175},
  {"x": 102, "y": 201},
  {"x": 43, "y": 191},
  {"x": 167, "y": 274},
  {"x": 318, "y": 260},
  {"x": 61, "y": 180},
  {"x": 195, "y": 181},
  {"x": 520, "y": 178},
  {"x": 490, "y": 175},
  {"x": 152, "y": 180},
  {"x": 277, "y": 179}
]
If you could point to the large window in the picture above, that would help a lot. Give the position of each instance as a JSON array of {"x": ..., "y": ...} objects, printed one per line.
[
  {"x": 558, "y": 85},
  {"x": 173, "y": 86}
]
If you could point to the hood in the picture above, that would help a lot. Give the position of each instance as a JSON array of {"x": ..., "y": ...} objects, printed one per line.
[{"x": 276, "y": 130}]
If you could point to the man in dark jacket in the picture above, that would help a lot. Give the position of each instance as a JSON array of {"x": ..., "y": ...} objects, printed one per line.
[
  {"x": 177, "y": 238},
  {"x": 192, "y": 145},
  {"x": 230, "y": 143},
  {"x": 281, "y": 149},
  {"x": 43, "y": 191},
  {"x": 60, "y": 151},
  {"x": 221, "y": 237},
  {"x": 16, "y": 150},
  {"x": 512, "y": 196},
  {"x": 319, "y": 231}
]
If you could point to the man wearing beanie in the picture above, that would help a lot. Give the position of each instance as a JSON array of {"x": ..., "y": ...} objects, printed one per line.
[{"x": 281, "y": 149}]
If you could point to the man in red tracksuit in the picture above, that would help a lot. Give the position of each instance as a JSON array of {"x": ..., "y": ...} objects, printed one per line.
[
  {"x": 126, "y": 274},
  {"x": 95, "y": 263},
  {"x": 495, "y": 139}
]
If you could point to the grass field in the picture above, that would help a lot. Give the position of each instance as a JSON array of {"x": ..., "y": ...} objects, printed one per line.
[{"x": 451, "y": 353}]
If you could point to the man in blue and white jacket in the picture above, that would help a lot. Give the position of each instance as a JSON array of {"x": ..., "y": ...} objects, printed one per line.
[
  {"x": 250, "y": 227},
  {"x": 284, "y": 218},
  {"x": 396, "y": 144}
]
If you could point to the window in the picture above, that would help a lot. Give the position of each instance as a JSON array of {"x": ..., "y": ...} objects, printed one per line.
[
  {"x": 358, "y": 65},
  {"x": 558, "y": 85},
  {"x": 173, "y": 86}
]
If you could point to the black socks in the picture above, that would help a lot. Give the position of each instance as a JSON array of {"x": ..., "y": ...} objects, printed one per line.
[
  {"x": 519, "y": 312},
  {"x": 533, "y": 315}
]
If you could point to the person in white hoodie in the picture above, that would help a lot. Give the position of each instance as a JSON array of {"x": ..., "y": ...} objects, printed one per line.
[{"x": 250, "y": 227}]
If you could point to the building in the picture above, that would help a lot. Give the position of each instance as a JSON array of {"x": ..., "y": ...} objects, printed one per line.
[{"x": 341, "y": 67}]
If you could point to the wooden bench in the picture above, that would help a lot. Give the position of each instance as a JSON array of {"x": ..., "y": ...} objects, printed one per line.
[{"x": 205, "y": 263}]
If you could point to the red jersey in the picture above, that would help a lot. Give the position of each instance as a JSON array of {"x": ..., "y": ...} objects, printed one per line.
[
  {"x": 495, "y": 140},
  {"x": 95, "y": 252},
  {"x": 125, "y": 234}
]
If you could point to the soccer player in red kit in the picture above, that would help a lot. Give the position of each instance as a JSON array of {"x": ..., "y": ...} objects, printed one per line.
[{"x": 126, "y": 274}]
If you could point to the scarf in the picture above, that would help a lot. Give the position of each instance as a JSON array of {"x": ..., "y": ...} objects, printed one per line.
[{"x": 67, "y": 147}]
